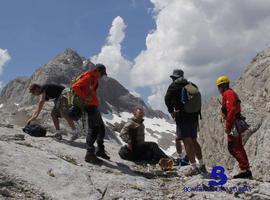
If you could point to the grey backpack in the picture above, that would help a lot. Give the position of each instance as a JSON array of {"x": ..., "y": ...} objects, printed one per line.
[{"x": 191, "y": 98}]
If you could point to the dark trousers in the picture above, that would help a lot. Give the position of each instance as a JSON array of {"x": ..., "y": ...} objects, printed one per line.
[
  {"x": 96, "y": 129},
  {"x": 146, "y": 151}
]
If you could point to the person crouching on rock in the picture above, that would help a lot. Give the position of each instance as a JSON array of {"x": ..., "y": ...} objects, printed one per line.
[
  {"x": 133, "y": 133},
  {"x": 231, "y": 109},
  {"x": 47, "y": 92}
]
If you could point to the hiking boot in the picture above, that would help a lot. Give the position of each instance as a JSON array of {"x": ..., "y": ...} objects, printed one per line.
[
  {"x": 247, "y": 174},
  {"x": 91, "y": 158},
  {"x": 75, "y": 136},
  {"x": 181, "y": 161},
  {"x": 193, "y": 171},
  {"x": 102, "y": 154},
  {"x": 203, "y": 169},
  {"x": 184, "y": 161},
  {"x": 58, "y": 135}
]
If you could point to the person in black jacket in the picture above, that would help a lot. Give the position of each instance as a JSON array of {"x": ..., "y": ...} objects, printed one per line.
[
  {"x": 52, "y": 91},
  {"x": 186, "y": 123}
]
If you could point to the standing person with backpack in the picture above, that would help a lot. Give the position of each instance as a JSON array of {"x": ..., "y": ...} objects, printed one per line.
[
  {"x": 183, "y": 101},
  {"x": 235, "y": 125},
  {"x": 53, "y": 91},
  {"x": 86, "y": 88}
]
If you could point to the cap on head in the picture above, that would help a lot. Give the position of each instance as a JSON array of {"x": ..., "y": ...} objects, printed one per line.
[
  {"x": 102, "y": 69},
  {"x": 177, "y": 73},
  {"x": 222, "y": 80}
]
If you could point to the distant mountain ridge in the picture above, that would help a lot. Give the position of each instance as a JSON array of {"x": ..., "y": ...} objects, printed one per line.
[{"x": 61, "y": 70}]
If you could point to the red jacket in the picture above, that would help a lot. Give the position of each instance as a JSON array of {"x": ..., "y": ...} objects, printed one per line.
[
  {"x": 231, "y": 103},
  {"x": 86, "y": 87}
]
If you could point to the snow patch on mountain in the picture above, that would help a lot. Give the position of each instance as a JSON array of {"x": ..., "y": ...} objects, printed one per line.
[{"x": 155, "y": 129}]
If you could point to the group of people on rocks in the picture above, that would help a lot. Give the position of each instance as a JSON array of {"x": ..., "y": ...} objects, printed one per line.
[{"x": 133, "y": 132}]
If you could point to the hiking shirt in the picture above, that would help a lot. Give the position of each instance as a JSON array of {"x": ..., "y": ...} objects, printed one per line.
[
  {"x": 86, "y": 87},
  {"x": 133, "y": 131},
  {"x": 52, "y": 91},
  {"x": 231, "y": 103}
]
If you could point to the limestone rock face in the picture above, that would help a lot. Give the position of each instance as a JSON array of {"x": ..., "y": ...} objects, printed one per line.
[
  {"x": 48, "y": 169},
  {"x": 253, "y": 90}
]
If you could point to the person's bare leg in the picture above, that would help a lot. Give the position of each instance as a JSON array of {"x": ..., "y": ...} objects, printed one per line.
[
  {"x": 75, "y": 132},
  {"x": 198, "y": 154},
  {"x": 55, "y": 121},
  {"x": 197, "y": 149},
  {"x": 70, "y": 122},
  {"x": 178, "y": 146},
  {"x": 189, "y": 149}
]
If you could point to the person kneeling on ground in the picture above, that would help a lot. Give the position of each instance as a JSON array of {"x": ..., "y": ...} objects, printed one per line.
[
  {"x": 133, "y": 133},
  {"x": 53, "y": 91}
]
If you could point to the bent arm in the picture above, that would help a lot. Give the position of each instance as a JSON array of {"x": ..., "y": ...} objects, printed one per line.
[
  {"x": 168, "y": 98},
  {"x": 125, "y": 133}
]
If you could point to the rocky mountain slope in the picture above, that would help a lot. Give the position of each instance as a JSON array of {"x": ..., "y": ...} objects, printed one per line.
[
  {"x": 253, "y": 88},
  {"x": 45, "y": 168}
]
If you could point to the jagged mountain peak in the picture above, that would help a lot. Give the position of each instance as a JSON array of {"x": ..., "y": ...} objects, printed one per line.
[{"x": 61, "y": 70}]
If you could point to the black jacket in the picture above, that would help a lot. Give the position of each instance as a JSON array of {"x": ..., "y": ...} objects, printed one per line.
[
  {"x": 173, "y": 95},
  {"x": 173, "y": 100}
]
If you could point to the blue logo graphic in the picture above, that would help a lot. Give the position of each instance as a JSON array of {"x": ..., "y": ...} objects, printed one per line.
[
  {"x": 217, "y": 182},
  {"x": 219, "y": 176}
]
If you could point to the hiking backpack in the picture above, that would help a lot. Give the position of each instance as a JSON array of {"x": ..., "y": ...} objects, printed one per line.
[
  {"x": 35, "y": 130},
  {"x": 74, "y": 101},
  {"x": 73, "y": 98},
  {"x": 191, "y": 98}
]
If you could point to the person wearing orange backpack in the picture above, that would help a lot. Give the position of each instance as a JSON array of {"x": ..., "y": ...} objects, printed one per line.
[
  {"x": 231, "y": 111},
  {"x": 86, "y": 88}
]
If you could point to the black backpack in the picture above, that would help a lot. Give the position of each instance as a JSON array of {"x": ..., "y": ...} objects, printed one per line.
[{"x": 35, "y": 130}]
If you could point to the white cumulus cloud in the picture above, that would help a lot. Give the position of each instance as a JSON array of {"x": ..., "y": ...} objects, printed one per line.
[
  {"x": 4, "y": 58},
  {"x": 111, "y": 56},
  {"x": 206, "y": 38}
]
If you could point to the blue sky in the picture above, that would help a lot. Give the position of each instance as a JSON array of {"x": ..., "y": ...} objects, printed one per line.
[
  {"x": 34, "y": 31},
  {"x": 141, "y": 41}
]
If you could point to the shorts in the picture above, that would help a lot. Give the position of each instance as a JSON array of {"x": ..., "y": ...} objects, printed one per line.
[
  {"x": 186, "y": 129},
  {"x": 60, "y": 106}
]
